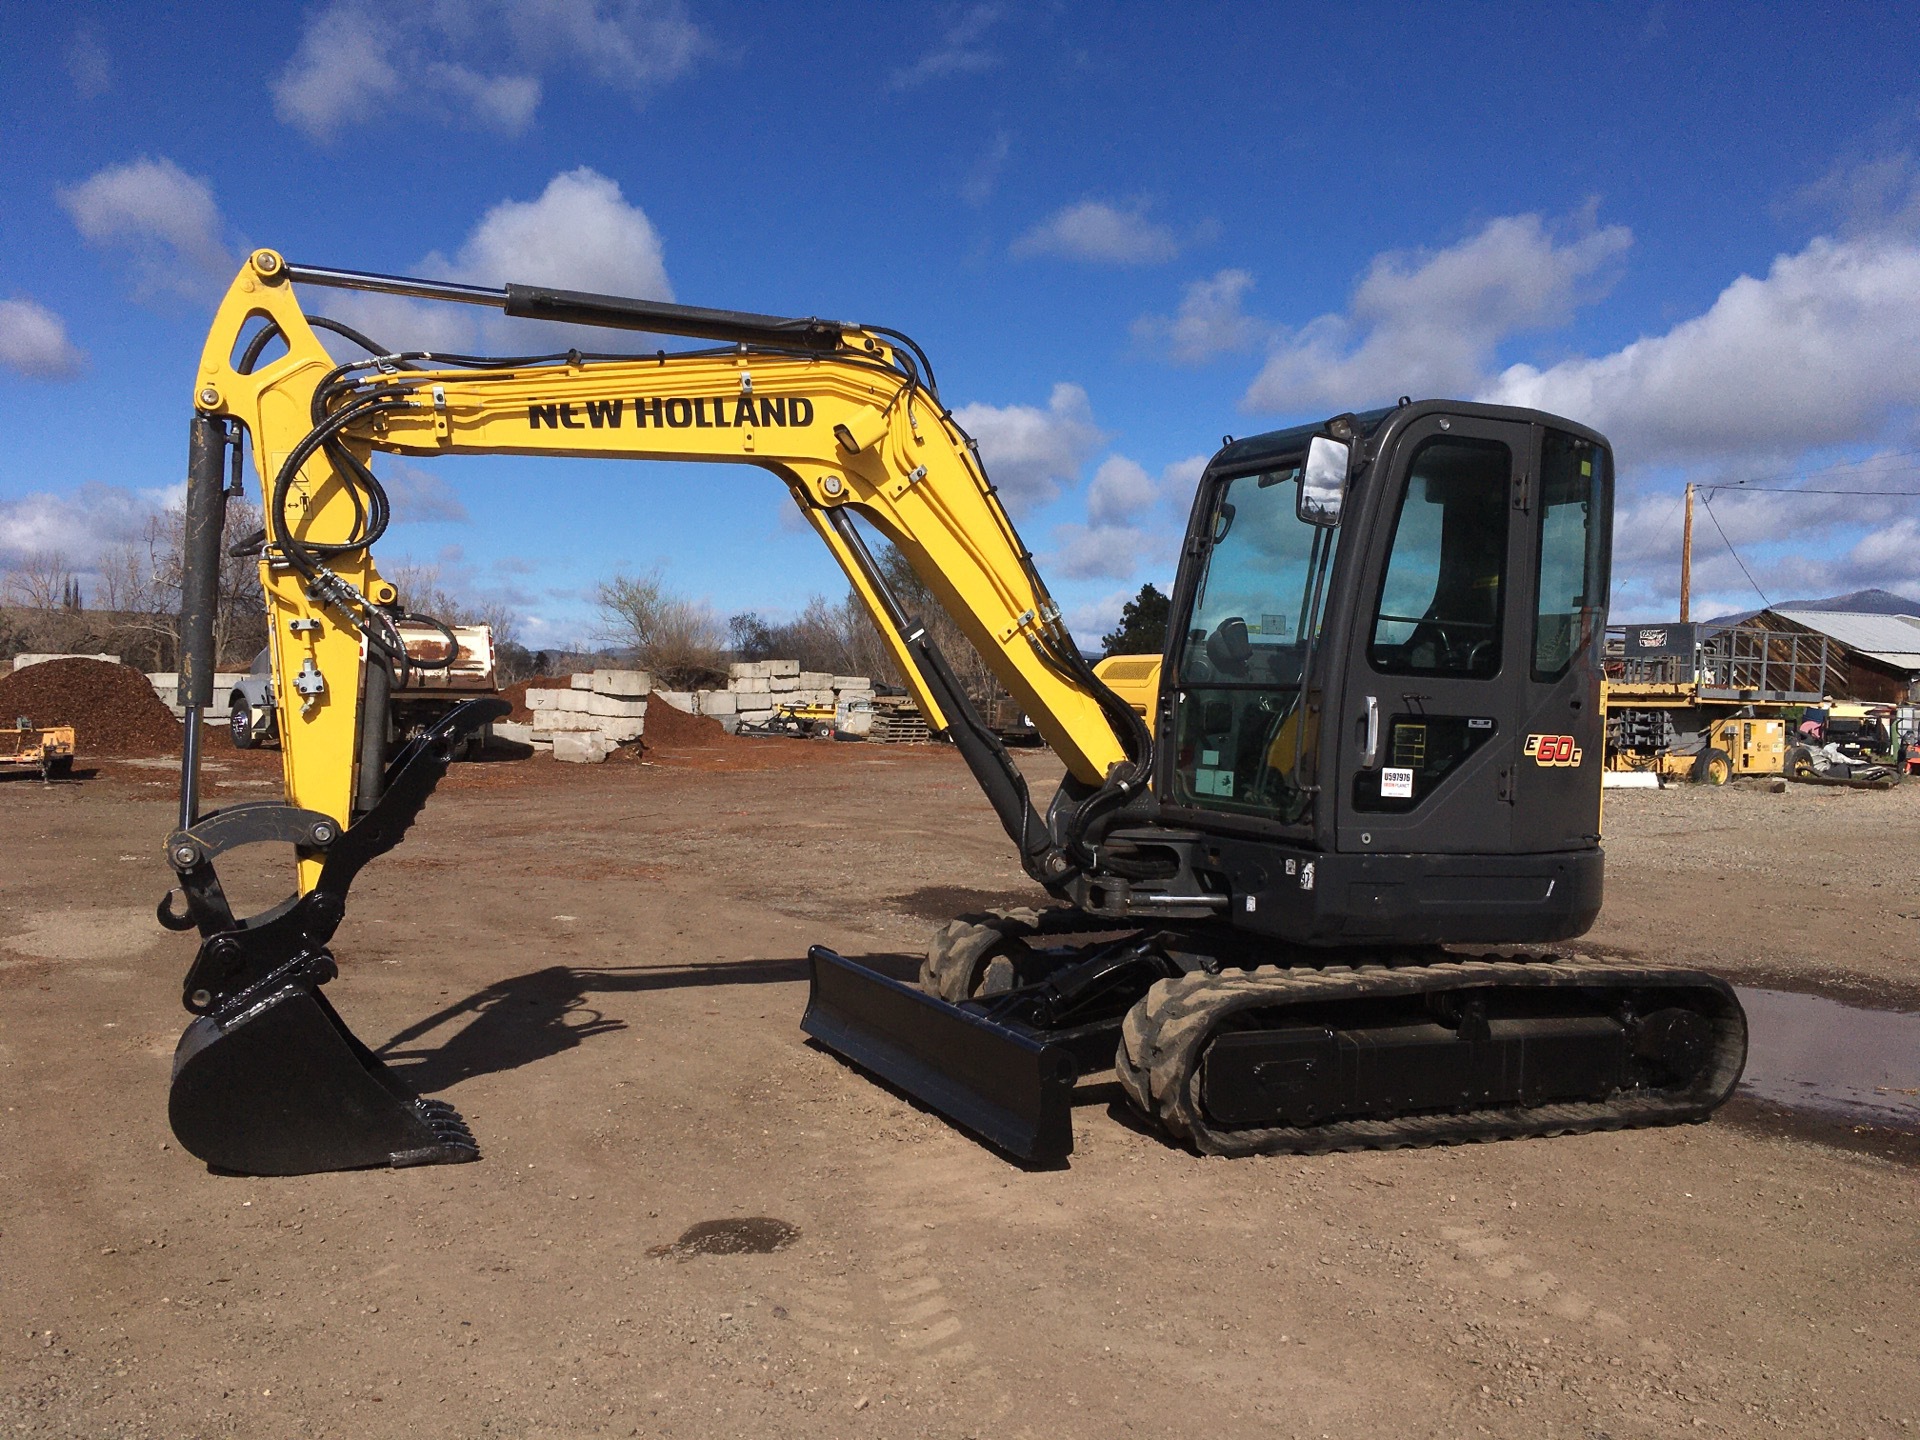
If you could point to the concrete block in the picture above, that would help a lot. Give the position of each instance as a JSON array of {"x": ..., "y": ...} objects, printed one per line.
[
  {"x": 852, "y": 682},
  {"x": 621, "y": 682},
  {"x": 750, "y": 685},
  {"x": 718, "y": 702},
  {"x": 580, "y": 748},
  {"x": 21, "y": 662},
  {"x": 681, "y": 700},
  {"x": 513, "y": 730},
  {"x": 619, "y": 732},
  {"x": 783, "y": 684},
  {"x": 622, "y": 706},
  {"x": 748, "y": 670},
  {"x": 815, "y": 680},
  {"x": 548, "y": 699},
  {"x": 729, "y": 723},
  {"x": 567, "y": 720},
  {"x": 777, "y": 668},
  {"x": 581, "y": 681}
]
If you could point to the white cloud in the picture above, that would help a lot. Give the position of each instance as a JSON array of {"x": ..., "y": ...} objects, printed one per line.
[
  {"x": 81, "y": 523},
  {"x": 164, "y": 218},
  {"x": 979, "y": 185},
  {"x": 89, "y": 65},
  {"x": 1818, "y": 352},
  {"x": 475, "y": 63},
  {"x": 1031, "y": 453},
  {"x": 1134, "y": 520},
  {"x": 1101, "y": 234},
  {"x": 1428, "y": 322},
  {"x": 419, "y": 496},
  {"x": 33, "y": 341},
  {"x": 579, "y": 234},
  {"x": 958, "y": 52},
  {"x": 1209, "y": 322},
  {"x": 1797, "y": 543}
]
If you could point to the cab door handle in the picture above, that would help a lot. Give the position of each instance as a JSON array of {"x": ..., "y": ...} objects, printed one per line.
[{"x": 1370, "y": 752}]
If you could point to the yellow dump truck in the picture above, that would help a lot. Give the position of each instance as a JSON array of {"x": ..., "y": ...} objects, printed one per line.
[{"x": 50, "y": 747}]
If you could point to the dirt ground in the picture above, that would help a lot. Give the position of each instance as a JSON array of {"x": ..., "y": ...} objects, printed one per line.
[{"x": 603, "y": 968}]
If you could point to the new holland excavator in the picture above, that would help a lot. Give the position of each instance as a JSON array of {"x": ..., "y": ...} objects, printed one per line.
[{"x": 1377, "y": 738}]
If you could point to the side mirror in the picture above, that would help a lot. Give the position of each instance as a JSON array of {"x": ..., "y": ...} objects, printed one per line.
[{"x": 1323, "y": 481}]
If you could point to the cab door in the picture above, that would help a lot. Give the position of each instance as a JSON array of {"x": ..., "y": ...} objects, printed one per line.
[
  {"x": 1439, "y": 643},
  {"x": 1567, "y": 521}
]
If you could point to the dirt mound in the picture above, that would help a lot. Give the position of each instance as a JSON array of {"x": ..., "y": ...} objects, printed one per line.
[
  {"x": 671, "y": 727},
  {"x": 112, "y": 708},
  {"x": 517, "y": 693}
]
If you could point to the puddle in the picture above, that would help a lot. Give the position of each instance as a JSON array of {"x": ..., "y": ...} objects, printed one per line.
[
  {"x": 751, "y": 1235},
  {"x": 1810, "y": 1053}
]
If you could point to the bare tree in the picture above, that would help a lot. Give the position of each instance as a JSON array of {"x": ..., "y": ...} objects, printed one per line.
[
  {"x": 679, "y": 640},
  {"x": 42, "y": 581}
]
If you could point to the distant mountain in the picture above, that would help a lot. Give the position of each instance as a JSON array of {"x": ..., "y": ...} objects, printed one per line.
[{"x": 1858, "y": 602}]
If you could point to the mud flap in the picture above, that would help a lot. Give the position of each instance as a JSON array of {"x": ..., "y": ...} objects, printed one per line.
[
  {"x": 275, "y": 1083},
  {"x": 1012, "y": 1090}
]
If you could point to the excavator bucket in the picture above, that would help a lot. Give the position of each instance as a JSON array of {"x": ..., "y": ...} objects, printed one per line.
[
  {"x": 1012, "y": 1090},
  {"x": 268, "y": 1080},
  {"x": 279, "y": 1085}
]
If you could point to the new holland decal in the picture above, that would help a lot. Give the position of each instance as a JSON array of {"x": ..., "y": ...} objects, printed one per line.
[{"x": 1553, "y": 751}]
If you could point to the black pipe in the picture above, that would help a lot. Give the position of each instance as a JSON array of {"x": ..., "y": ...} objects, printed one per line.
[
  {"x": 375, "y": 703},
  {"x": 538, "y": 302},
  {"x": 993, "y": 768},
  {"x": 200, "y": 593}
]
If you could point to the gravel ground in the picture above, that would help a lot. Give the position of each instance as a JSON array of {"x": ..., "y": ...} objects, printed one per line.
[{"x": 603, "y": 968}]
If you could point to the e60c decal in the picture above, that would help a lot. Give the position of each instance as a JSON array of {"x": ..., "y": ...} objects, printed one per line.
[{"x": 1552, "y": 750}]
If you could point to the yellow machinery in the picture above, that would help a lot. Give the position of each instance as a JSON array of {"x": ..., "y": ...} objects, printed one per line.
[
  {"x": 1688, "y": 704},
  {"x": 1135, "y": 679},
  {"x": 49, "y": 748},
  {"x": 1231, "y": 859}
]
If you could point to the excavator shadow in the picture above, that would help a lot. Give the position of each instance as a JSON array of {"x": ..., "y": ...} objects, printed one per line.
[{"x": 531, "y": 1017}]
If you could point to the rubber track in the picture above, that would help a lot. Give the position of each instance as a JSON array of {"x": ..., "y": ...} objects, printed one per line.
[{"x": 1165, "y": 1035}]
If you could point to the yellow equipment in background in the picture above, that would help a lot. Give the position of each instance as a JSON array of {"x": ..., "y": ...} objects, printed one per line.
[{"x": 50, "y": 747}]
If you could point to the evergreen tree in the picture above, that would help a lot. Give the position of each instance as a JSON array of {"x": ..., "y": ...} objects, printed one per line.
[{"x": 1143, "y": 625}]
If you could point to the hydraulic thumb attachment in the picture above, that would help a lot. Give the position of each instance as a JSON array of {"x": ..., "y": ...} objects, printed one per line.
[{"x": 269, "y": 1080}]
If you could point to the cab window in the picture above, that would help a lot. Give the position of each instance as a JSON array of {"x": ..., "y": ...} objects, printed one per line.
[{"x": 1440, "y": 603}]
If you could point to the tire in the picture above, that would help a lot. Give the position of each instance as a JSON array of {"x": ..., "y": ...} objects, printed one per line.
[
  {"x": 240, "y": 723},
  {"x": 1712, "y": 767},
  {"x": 1798, "y": 761}
]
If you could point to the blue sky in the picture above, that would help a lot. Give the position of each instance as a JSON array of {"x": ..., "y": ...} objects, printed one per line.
[{"x": 1121, "y": 231}]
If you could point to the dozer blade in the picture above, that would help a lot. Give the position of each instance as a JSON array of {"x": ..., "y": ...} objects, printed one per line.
[
  {"x": 1008, "y": 1088},
  {"x": 276, "y": 1084}
]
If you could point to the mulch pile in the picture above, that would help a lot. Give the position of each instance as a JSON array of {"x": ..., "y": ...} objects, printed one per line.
[
  {"x": 667, "y": 725},
  {"x": 112, "y": 708}
]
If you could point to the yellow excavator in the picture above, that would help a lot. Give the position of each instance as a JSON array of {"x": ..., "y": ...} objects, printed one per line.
[{"x": 1375, "y": 737}]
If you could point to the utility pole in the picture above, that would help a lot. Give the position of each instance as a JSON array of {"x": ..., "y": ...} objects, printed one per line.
[{"x": 1686, "y": 559}]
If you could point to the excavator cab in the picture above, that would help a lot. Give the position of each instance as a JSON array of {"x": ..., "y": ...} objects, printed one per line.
[{"x": 1406, "y": 690}]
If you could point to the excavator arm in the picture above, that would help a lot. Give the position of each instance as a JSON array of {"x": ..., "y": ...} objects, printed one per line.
[{"x": 847, "y": 417}]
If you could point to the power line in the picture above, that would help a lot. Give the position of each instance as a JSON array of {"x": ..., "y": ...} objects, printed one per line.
[
  {"x": 1742, "y": 487},
  {"x": 1708, "y": 505}
]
